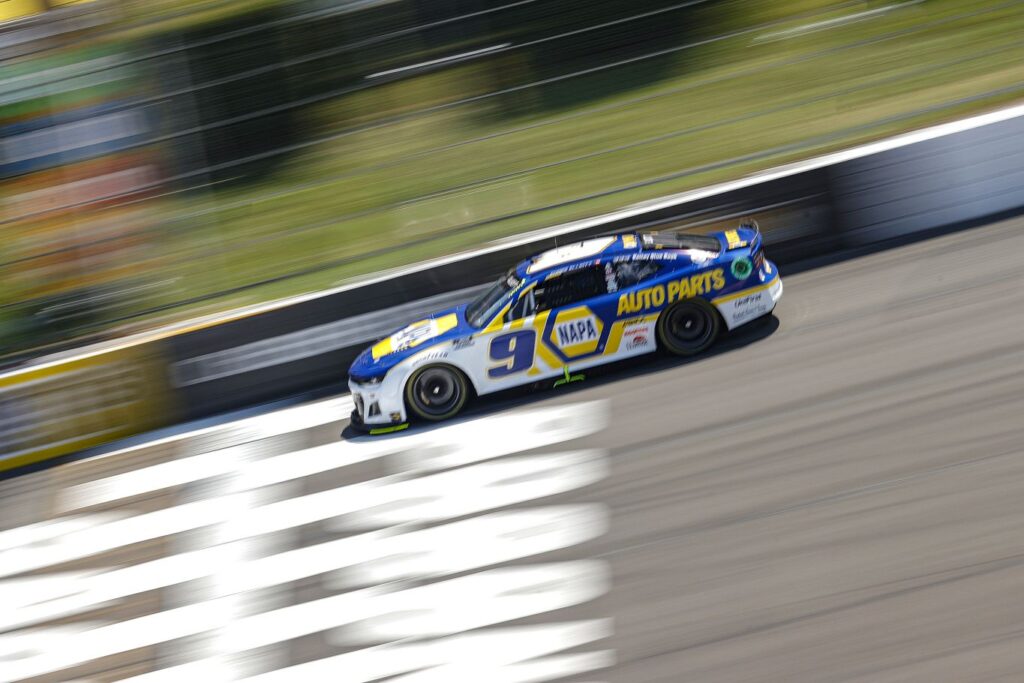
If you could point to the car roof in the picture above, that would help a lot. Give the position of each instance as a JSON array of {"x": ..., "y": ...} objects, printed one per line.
[
  {"x": 594, "y": 250},
  {"x": 568, "y": 254}
]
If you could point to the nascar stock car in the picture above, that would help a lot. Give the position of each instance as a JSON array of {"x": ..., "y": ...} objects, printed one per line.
[{"x": 570, "y": 308}]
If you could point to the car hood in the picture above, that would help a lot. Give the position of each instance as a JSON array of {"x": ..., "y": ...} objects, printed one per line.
[{"x": 413, "y": 338}]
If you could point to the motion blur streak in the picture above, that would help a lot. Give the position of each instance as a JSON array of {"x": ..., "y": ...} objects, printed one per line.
[
  {"x": 392, "y": 500},
  {"x": 374, "y": 557},
  {"x": 174, "y": 158},
  {"x": 210, "y": 206},
  {"x": 489, "y": 656},
  {"x": 375, "y": 587},
  {"x": 443, "y": 448}
]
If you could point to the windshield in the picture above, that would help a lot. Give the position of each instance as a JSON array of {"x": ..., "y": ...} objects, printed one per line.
[{"x": 480, "y": 312}]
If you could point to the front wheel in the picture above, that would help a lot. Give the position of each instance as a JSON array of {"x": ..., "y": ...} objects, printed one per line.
[
  {"x": 688, "y": 327},
  {"x": 436, "y": 392}
]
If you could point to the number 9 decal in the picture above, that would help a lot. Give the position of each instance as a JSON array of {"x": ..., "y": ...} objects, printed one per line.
[{"x": 515, "y": 349}]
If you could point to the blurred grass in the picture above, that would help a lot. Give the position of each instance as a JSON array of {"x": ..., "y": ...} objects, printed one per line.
[{"x": 760, "y": 99}]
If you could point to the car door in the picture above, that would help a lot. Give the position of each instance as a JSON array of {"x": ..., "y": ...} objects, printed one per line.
[
  {"x": 576, "y": 309},
  {"x": 548, "y": 327},
  {"x": 632, "y": 333}
]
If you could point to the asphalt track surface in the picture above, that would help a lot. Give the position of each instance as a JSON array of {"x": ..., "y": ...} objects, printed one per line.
[{"x": 836, "y": 494}]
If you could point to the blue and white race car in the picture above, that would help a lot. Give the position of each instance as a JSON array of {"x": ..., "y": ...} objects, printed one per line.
[{"x": 574, "y": 307}]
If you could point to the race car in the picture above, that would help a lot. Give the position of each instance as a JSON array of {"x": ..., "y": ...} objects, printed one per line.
[{"x": 573, "y": 307}]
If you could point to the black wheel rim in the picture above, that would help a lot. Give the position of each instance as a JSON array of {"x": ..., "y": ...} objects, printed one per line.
[
  {"x": 689, "y": 327},
  {"x": 436, "y": 391}
]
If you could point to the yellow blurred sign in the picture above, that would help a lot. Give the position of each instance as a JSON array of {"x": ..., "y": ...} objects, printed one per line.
[
  {"x": 60, "y": 408},
  {"x": 20, "y": 9}
]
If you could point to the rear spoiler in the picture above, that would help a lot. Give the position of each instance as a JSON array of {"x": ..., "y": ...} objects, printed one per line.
[{"x": 735, "y": 241}]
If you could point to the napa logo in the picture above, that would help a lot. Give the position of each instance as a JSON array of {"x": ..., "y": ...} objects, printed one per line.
[{"x": 576, "y": 332}]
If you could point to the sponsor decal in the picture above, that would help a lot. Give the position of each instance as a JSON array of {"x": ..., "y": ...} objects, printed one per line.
[
  {"x": 733, "y": 238},
  {"x": 748, "y": 300},
  {"x": 414, "y": 335},
  {"x": 463, "y": 343},
  {"x": 742, "y": 268},
  {"x": 684, "y": 288},
  {"x": 571, "y": 268},
  {"x": 637, "y": 340},
  {"x": 435, "y": 355},
  {"x": 576, "y": 331},
  {"x": 748, "y": 307},
  {"x": 743, "y": 314},
  {"x": 635, "y": 333},
  {"x": 647, "y": 256}
]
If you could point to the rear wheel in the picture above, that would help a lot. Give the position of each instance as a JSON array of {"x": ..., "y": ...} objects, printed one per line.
[
  {"x": 436, "y": 392},
  {"x": 688, "y": 327}
]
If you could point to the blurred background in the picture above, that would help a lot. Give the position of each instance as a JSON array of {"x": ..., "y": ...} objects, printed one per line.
[
  {"x": 169, "y": 159},
  {"x": 832, "y": 494}
]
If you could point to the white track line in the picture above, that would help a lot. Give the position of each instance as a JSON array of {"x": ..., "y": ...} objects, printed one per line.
[
  {"x": 459, "y": 472},
  {"x": 438, "y": 609},
  {"x": 450, "y": 446},
  {"x": 381, "y": 502},
  {"x": 456, "y": 472},
  {"x": 43, "y": 532},
  {"x": 371, "y": 558},
  {"x": 488, "y": 651}
]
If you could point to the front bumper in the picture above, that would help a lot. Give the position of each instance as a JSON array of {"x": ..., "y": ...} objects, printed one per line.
[
  {"x": 377, "y": 405},
  {"x": 356, "y": 422}
]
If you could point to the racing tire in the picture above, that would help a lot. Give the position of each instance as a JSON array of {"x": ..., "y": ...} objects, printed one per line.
[
  {"x": 436, "y": 392},
  {"x": 688, "y": 327}
]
